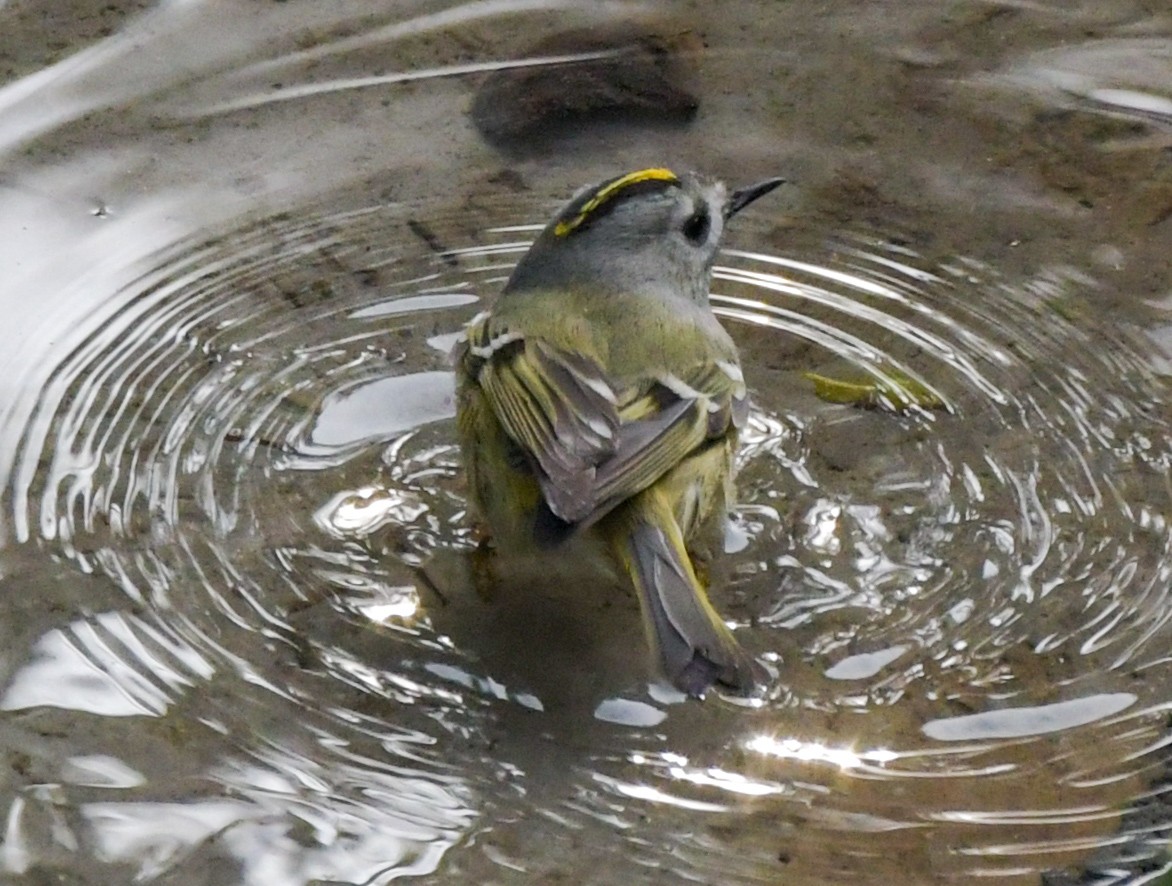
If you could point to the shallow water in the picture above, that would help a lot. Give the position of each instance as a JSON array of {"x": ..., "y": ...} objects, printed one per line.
[{"x": 241, "y": 641}]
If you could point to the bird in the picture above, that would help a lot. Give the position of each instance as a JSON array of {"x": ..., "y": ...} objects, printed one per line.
[{"x": 599, "y": 399}]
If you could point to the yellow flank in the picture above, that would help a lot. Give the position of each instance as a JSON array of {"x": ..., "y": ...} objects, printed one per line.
[{"x": 606, "y": 193}]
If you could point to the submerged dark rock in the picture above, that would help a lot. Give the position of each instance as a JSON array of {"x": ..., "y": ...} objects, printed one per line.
[{"x": 641, "y": 78}]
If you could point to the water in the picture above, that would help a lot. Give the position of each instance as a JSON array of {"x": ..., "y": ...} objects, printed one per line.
[{"x": 242, "y": 640}]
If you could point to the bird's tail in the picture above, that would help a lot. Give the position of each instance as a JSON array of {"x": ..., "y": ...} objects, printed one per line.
[{"x": 693, "y": 645}]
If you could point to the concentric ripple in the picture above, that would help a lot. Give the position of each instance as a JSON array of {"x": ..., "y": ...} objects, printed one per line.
[{"x": 249, "y": 470}]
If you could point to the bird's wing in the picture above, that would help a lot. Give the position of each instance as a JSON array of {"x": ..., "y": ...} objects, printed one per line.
[
  {"x": 558, "y": 407},
  {"x": 676, "y": 414},
  {"x": 594, "y": 445}
]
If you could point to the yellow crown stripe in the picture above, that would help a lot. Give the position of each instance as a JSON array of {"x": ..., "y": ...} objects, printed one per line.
[{"x": 608, "y": 191}]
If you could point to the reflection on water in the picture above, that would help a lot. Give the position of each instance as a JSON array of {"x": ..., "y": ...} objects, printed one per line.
[
  {"x": 268, "y": 475},
  {"x": 1037, "y": 720},
  {"x": 248, "y": 637},
  {"x": 94, "y": 666}
]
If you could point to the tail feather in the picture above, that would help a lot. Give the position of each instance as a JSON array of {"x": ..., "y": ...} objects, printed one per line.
[{"x": 694, "y": 646}]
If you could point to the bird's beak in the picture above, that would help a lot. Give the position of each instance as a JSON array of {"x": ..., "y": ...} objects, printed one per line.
[{"x": 742, "y": 197}]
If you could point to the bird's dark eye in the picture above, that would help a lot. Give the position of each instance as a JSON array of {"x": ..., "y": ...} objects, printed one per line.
[{"x": 696, "y": 227}]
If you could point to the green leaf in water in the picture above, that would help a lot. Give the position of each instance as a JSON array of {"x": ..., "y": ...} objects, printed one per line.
[
  {"x": 1065, "y": 308},
  {"x": 895, "y": 392}
]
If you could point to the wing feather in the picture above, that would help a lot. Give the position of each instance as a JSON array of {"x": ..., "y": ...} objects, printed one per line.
[{"x": 593, "y": 446}]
